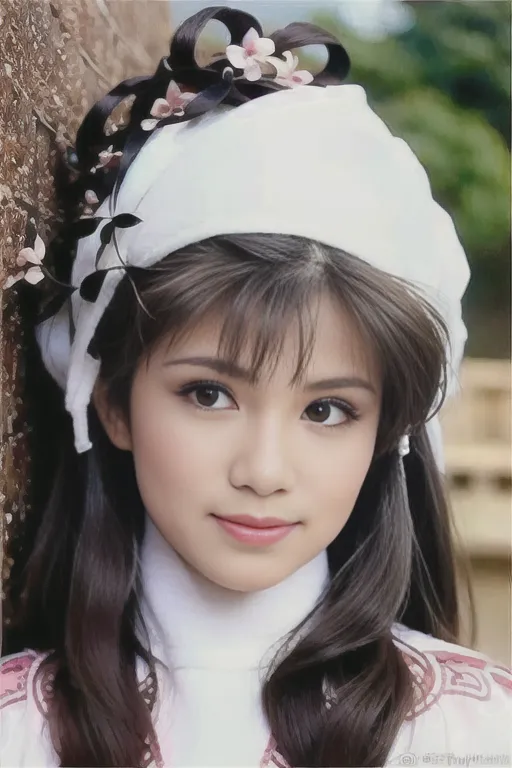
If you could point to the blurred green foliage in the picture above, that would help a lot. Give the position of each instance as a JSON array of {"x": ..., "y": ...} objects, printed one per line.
[{"x": 444, "y": 86}]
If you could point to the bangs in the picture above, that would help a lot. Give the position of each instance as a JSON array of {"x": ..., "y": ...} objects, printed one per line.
[
  {"x": 254, "y": 329},
  {"x": 257, "y": 288},
  {"x": 256, "y": 309}
]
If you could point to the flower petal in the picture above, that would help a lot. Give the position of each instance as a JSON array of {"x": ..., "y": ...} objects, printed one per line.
[
  {"x": 173, "y": 89},
  {"x": 251, "y": 36},
  {"x": 91, "y": 197},
  {"x": 148, "y": 125},
  {"x": 34, "y": 275},
  {"x": 275, "y": 62},
  {"x": 173, "y": 95},
  {"x": 12, "y": 280},
  {"x": 252, "y": 71},
  {"x": 186, "y": 98},
  {"x": 23, "y": 257},
  {"x": 104, "y": 158},
  {"x": 39, "y": 248},
  {"x": 236, "y": 56},
  {"x": 305, "y": 76},
  {"x": 264, "y": 47},
  {"x": 288, "y": 55},
  {"x": 161, "y": 108}
]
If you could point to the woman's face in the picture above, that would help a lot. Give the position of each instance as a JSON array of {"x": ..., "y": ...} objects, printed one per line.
[{"x": 208, "y": 444}]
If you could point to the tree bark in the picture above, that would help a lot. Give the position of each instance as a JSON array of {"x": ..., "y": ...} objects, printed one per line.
[{"x": 56, "y": 58}]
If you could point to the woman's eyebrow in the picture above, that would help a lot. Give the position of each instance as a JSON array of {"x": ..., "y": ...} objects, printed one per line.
[{"x": 237, "y": 372}]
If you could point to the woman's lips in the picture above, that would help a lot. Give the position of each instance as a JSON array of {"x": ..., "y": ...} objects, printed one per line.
[{"x": 256, "y": 536}]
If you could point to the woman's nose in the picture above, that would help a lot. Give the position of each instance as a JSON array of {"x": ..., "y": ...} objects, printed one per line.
[{"x": 263, "y": 458}]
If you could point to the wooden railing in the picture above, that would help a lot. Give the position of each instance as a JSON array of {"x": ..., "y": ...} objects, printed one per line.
[
  {"x": 477, "y": 438},
  {"x": 478, "y": 453},
  {"x": 481, "y": 413}
]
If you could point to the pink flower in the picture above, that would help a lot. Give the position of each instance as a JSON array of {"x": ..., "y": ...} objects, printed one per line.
[
  {"x": 253, "y": 52},
  {"x": 108, "y": 158},
  {"x": 287, "y": 73},
  {"x": 34, "y": 256},
  {"x": 174, "y": 104}
]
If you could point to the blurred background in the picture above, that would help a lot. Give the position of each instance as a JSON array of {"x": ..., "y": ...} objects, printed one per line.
[{"x": 437, "y": 72}]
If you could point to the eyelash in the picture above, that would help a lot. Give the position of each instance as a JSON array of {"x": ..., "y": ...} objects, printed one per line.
[{"x": 348, "y": 410}]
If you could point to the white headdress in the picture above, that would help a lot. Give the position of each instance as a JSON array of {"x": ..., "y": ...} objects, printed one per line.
[{"x": 310, "y": 161}]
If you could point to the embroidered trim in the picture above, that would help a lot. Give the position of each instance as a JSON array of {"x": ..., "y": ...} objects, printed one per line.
[
  {"x": 445, "y": 673},
  {"x": 148, "y": 689},
  {"x": 502, "y": 676},
  {"x": 279, "y": 761},
  {"x": 272, "y": 757},
  {"x": 435, "y": 674},
  {"x": 14, "y": 672},
  {"x": 152, "y": 757},
  {"x": 42, "y": 687}
]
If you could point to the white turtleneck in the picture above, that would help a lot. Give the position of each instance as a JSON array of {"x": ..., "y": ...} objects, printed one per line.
[{"x": 215, "y": 641}]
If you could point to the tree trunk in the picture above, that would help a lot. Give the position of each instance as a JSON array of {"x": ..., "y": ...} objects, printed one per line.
[{"x": 56, "y": 58}]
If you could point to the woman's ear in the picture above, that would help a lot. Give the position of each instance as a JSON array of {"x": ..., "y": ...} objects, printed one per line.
[{"x": 113, "y": 421}]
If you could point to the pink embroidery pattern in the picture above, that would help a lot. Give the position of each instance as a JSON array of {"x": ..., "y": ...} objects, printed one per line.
[
  {"x": 152, "y": 757},
  {"x": 42, "y": 688},
  {"x": 435, "y": 674},
  {"x": 14, "y": 673},
  {"x": 502, "y": 676},
  {"x": 148, "y": 689},
  {"x": 272, "y": 756},
  {"x": 279, "y": 761},
  {"x": 443, "y": 673}
]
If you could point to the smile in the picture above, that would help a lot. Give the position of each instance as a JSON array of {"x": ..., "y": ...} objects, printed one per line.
[{"x": 258, "y": 533}]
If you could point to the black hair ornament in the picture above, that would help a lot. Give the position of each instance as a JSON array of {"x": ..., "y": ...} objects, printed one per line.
[{"x": 220, "y": 82}]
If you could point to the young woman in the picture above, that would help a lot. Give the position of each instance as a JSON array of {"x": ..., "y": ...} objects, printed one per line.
[{"x": 246, "y": 558}]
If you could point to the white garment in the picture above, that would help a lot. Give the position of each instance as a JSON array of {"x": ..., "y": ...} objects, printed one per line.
[
  {"x": 208, "y": 712},
  {"x": 213, "y": 640}
]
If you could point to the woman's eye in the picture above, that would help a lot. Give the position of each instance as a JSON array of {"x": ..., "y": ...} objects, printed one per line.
[
  {"x": 328, "y": 414},
  {"x": 209, "y": 396},
  {"x": 214, "y": 397}
]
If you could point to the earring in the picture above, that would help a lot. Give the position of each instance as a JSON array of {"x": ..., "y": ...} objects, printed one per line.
[{"x": 403, "y": 446}]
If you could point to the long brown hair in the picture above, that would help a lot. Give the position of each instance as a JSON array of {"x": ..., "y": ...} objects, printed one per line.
[{"x": 393, "y": 560}]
